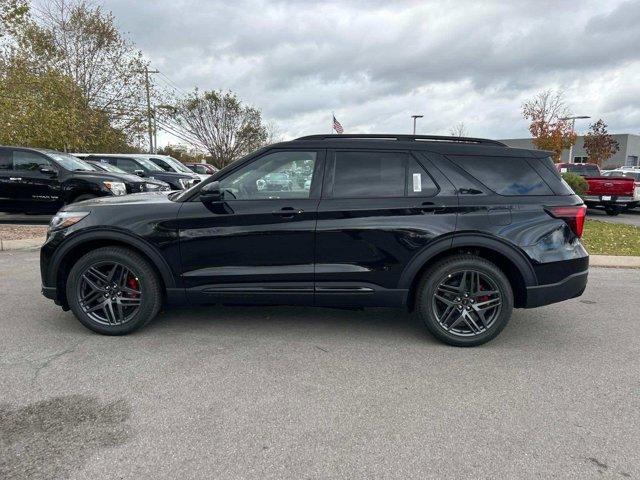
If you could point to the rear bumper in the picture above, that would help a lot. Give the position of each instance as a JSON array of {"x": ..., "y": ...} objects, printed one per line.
[
  {"x": 614, "y": 200},
  {"x": 570, "y": 287}
]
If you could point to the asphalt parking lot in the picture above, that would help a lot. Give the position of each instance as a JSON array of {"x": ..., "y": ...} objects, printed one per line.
[
  {"x": 318, "y": 393},
  {"x": 631, "y": 217}
]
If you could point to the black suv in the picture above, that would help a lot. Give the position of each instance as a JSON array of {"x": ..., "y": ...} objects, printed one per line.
[
  {"x": 42, "y": 181},
  {"x": 144, "y": 166},
  {"x": 461, "y": 230}
]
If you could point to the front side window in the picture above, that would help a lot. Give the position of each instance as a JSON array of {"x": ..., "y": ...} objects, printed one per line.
[
  {"x": 273, "y": 176},
  {"x": 6, "y": 160},
  {"x": 28, "y": 161}
]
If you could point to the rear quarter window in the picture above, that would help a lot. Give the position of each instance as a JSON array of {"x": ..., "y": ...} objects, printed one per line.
[{"x": 509, "y": 176}]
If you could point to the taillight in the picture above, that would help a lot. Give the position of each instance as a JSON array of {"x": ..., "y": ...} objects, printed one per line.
[{"x": 573, "y": 216}]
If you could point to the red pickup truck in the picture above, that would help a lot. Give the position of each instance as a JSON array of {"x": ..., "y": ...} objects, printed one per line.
[{"x": 615, "y": 194}]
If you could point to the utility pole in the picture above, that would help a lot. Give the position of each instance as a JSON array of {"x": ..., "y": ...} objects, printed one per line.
[{"x": 149, "y": 112}]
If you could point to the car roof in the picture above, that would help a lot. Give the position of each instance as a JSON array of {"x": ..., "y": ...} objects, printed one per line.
[{"x": 433, "y": 143}]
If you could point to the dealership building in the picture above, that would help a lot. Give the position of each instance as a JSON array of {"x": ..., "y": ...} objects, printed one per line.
[{"x": 628, "y": 155}]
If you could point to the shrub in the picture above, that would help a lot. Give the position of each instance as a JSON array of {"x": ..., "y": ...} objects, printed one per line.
[{"x": 576, "y": 182}]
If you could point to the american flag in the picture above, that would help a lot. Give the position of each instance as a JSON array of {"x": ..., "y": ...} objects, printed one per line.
[{"x": 336, "y": 125}]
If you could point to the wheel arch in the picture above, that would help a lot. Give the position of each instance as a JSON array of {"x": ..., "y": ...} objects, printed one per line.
[
  {"x": 72, "y": 250},
  {"x": 507, "y": 257}
]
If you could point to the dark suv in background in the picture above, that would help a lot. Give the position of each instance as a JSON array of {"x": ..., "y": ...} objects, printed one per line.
[
  {"x": 461, "y": 230},
  {"x": 41, "y": 181}
]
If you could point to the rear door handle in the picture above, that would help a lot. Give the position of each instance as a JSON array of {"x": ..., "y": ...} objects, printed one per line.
[
  {"x": 288, "y": 212},
  {"x": 429, "y": 207},
  {"x": 15, "y": 179}
]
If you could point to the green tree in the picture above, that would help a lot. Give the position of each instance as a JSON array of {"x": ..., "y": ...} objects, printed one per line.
[
  {"x": 599, "y": 144},
  {"x": 219, "y": 123},
  {"x": 47, "y": 109}
]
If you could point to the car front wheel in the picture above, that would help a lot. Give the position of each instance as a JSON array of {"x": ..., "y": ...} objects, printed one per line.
[
  {"x": 464, "y": 300},
  {"x": 113, "y": 291}
]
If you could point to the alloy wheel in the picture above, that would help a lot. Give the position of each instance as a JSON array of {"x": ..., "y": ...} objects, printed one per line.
[
  {"x": 466, "y": 303},
  {"x": 109, "y": 293}
]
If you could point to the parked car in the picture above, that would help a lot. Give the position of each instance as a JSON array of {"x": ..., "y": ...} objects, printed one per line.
[
  {"x": 141, "y": 165},
  {"x": 461, "y": 230},
  {"x": 614, "y": 194},
  {"x": 41, "y": 181},
  {"x": 170, "y": 164},
  {"x": 150, "y": 184},
  {"x": 202, "y": 168}
]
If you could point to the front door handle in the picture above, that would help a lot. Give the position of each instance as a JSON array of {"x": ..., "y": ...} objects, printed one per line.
[
  {"x": 15, "y": 179},
  {"x": 288, "y": 212}
]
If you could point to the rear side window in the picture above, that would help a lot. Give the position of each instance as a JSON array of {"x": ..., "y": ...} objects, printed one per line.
[
  {"x": 6, "y": 160},
  {"x": 376, "y": 174},
  {"x": 508, "y": 176}
]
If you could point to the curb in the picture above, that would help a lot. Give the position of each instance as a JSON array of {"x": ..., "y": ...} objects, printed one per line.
[
  {"x": 614, "y": 261},
  {"x": 608, "y": 261},
  {"x": 23, "y": 244}
]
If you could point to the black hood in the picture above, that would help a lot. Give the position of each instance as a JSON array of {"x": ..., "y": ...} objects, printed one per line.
[{"x": 109, "y": 176}]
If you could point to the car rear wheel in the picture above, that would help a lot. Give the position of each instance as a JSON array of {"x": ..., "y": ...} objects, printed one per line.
[
  {"x": 464, "y": 300},
  {"x": 612, "y": 211},
  {"x": 114, "y": 291}
]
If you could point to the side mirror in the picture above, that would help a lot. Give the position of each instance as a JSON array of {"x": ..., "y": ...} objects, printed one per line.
[
  {"x": 48, "y": 171},
  {"x": 140, "y": 173},
  {"x": 211, "y": 193}
]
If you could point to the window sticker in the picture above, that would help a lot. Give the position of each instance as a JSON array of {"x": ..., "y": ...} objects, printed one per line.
[
  {"x": 417, "y": 182},
  {"x": 563, "y": 169}
]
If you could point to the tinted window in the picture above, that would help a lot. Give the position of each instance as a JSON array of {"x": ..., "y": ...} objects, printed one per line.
[
  {"x": 128, "y": 165},
  {"x": 369, "y": 174},
  {"x": 419, "y": 183},
  {"x": 581, "y": 169},
  {"x": 275, "y": 175},
  {"x": 504, "y": 175},
  {"x": 6, "y": 160},
  {"x": 28, "y": 161}
]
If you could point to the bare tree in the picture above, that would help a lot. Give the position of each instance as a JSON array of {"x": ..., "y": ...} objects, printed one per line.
[
  {"x": 459, "y": 130},
  {"x": 219, "y": 122},
  {"x": 550, "y": 131}
]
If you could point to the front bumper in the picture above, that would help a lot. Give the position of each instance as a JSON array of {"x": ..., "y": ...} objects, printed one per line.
[{"x": 570, "y": 287}]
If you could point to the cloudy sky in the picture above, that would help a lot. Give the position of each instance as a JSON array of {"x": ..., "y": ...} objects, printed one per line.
[{"x": 377, "y": 62}]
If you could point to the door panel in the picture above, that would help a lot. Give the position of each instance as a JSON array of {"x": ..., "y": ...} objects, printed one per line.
[
  {"x": 249, "y": 250},
  {"x": 364, "y": 244}
]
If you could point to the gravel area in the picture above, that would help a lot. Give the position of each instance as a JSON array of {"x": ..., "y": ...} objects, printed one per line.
[{"x": 20, "y": 232}]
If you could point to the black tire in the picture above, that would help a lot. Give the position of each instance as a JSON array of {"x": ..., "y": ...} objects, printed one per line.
[
  {"x": 449, "y": 268},
  {"x": 80, "y": 198},
  {"x": 148, "y": 283},
  {"x": 612, "y": 211}
]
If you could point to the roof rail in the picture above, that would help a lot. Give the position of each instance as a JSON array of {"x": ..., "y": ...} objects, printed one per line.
[{"x": 404, "y": 138}]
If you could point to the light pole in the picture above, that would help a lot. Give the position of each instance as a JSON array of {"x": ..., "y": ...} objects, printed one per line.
[
  {"x": 573, "y": 124},
  {"x": 415, "y": 117}
]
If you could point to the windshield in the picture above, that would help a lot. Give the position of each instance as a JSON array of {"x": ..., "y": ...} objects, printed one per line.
[
  {"x": 72, "y": 163},
  {"x": 174, "y": 164}
]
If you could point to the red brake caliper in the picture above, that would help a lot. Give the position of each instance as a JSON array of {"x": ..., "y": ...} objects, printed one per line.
[
  {"x": 484, "y": 298},
  {"x": 133, "y": 283}
]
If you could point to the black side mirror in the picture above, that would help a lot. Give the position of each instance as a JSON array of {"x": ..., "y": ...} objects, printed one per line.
[
  {"x": 211, "y": 193},
  {"x": 48, "y": 171},
  {"x": 140, "y": 173}
]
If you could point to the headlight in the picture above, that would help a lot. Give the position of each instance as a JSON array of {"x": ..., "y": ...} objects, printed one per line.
[
  {"x": 117, "y": 188},
  {"x": 65, "y": 219}
]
